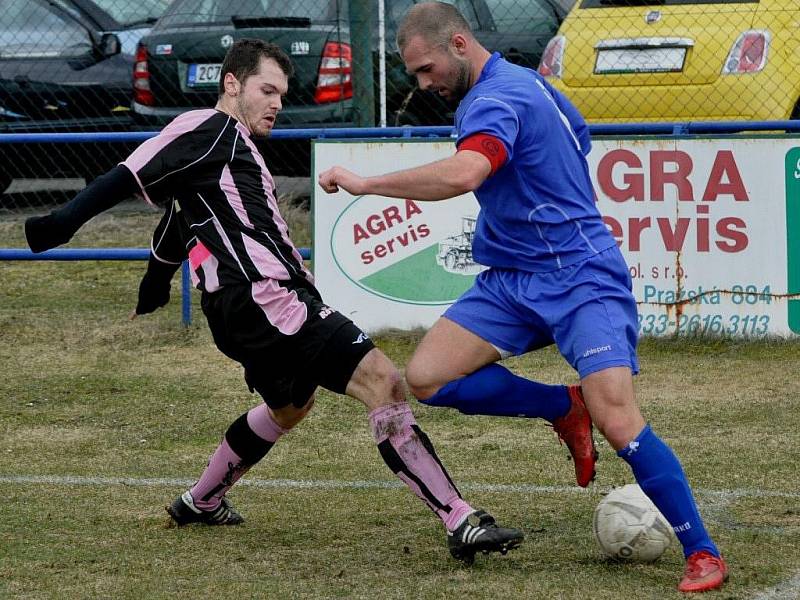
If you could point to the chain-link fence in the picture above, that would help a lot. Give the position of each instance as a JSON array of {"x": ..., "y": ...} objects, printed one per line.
[{"x": 122, "y": 65}]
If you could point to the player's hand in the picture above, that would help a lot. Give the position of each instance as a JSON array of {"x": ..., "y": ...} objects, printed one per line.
[
  {"x": 154, "y": 288},
  {"x": 338, "y": 177},
  {"x": 153, "y": 295}
]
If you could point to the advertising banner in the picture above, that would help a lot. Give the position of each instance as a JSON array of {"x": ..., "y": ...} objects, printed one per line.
[{"x": 710, "y": 229}]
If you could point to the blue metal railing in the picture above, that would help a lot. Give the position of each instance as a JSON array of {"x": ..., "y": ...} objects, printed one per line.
[
  {"x": 682, "y": 128},
  {"x": 611, "y": 129},
  {"x": 71, "y": 254}
]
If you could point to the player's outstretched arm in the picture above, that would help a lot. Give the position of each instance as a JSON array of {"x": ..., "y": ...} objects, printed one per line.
[
  {"x": 58, "y": 227},
  {"x": 458, "y": 174}
]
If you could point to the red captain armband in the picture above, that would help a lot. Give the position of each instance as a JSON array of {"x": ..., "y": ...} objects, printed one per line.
[{"x": 488, "y": 145}]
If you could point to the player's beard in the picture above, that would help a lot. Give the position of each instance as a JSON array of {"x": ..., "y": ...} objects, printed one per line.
[
  {"x": 460, "y": 86},
  {"x": 242, "y": 107}
]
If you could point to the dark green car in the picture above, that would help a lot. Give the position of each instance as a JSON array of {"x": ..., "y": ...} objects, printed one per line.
[{"x": 178, "y": 63}]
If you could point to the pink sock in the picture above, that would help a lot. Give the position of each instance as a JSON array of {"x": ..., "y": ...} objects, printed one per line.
[
  {"x": 410, "y": 455},
  {"x": 246, "y": 442}
]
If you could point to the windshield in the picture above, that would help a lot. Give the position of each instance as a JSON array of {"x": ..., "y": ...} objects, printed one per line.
[
  {"x": 397, "y": 9},
  {"x": 195, "y": 12},
  {"x": 29, "y": 30},
  {"x": 512, "y": 16},
  {"x": 139, "y": 12}
]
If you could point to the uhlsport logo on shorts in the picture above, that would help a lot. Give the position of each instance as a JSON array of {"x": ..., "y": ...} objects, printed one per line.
[{"x": 407, "y": 251}]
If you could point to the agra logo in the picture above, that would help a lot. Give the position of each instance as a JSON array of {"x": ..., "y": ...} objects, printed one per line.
[{"x": 406, "y": 251}]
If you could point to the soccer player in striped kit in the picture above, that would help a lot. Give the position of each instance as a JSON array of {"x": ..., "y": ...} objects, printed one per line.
[
  {"x": 556, "y": 274},
  {"x": 260, "y": 301}
]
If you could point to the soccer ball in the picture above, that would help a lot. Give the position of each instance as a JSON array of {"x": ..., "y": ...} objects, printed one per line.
[{"x": 628, "y": 526}]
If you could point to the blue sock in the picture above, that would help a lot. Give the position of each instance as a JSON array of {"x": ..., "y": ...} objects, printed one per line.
[
  {"x": 660, "y": 475},
  {"x": 496, "y": 391}
]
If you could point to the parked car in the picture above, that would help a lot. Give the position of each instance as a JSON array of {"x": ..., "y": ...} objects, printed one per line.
[
  {"x": 678, "y": 60},
  {"x": 65, "y": 66},
  {"x": 178, "y": 63}
]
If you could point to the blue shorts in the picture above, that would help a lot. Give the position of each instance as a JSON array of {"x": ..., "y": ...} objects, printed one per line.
[{"x": 586, "y": 309}]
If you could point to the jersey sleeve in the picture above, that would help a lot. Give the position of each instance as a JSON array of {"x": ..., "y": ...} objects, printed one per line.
[
  {"x": 491, "y": 148},
  {"x": 492, "y": 117},
  {"x": 61, "y": 224},
  {"x": 167, "y": 252},
  {"x": 165, "y": 162},
  {"x": 167, "y": 245}
]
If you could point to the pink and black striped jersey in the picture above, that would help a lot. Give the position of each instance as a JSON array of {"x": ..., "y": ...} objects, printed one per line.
[{"x": 207, "y": 162}]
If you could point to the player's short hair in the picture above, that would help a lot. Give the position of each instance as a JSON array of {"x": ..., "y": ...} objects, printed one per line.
[
  {"x": 436, "y": 22},
  {"x": 244, "y": 58}
]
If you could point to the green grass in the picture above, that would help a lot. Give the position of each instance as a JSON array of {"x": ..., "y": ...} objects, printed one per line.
[{"x": 86, "y": 392}]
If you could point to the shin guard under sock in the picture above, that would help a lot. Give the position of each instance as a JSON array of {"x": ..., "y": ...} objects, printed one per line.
[
  {"x": 660, "y": 475},
  {"x": 496, "y": 391},
  {"x": 246, "y": 442},
  {"x": 410, "y": 455}
]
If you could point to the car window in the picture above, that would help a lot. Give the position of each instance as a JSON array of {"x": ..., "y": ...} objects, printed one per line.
[
  {"x": 194, "y": 12},
  {"x": 516, "y": 16},
  {"x": 31, "y": 30},
  {"x": 466, "y": 8},
  {"x": 133, "y": 13},
  {"x": 397, "y": 9},
  {"x": 612, "y": 3}
]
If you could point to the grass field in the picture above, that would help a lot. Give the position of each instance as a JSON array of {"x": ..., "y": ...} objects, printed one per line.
[{"x": 104, "y": 420}]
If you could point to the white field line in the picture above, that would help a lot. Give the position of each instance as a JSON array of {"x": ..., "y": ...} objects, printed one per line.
[
  {"x": 785, "y": 590},
  {"x": 327, "y": 484}
]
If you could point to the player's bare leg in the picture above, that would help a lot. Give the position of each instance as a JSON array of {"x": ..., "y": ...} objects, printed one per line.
[
  {"x": 609, "y": 396},
  {"x": 409, "y": 453},
  {"x": 454, "y": 367}
]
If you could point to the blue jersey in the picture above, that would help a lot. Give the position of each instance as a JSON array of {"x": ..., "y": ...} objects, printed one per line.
[{"x": 537, "y": 211}]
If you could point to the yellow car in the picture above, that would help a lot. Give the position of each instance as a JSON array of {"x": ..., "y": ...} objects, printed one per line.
[{"x": 678, "y": 60}]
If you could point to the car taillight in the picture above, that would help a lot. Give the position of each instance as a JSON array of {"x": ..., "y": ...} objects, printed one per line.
[
  {"x": 141, "y": 79},
  {"x": 552, "y": 57},
  {"x": 335, "y": 81},
  {"x": 749, "y": 53}
]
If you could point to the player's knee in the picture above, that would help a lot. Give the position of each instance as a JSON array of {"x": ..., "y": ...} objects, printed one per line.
[
  {"x": 420, "y": 379},
  {"x": 619, "y": 423},
  {"x": 289, "y": 416},
  {"x": 376, "y": 381}
]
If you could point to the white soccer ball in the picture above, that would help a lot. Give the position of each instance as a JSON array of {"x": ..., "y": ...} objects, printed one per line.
[{"x": 628, "y": 526}]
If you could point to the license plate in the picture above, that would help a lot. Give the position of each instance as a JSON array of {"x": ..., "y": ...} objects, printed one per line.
[
  {"x": 639, "y": 60},
  {"x": 203, "y": 74}
]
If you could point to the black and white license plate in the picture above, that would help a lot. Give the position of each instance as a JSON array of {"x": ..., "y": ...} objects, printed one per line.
[
  {"x": 203, "y": 74},
  {"x": 639, "y": 60}
]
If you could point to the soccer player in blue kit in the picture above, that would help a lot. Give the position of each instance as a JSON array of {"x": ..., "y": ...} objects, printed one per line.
[{"x": 555, "y": 272}]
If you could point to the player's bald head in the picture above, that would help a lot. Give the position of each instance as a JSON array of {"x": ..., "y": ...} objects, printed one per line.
[{"x": 435, "y": 22}]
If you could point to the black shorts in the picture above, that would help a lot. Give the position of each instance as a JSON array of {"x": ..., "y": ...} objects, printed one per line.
[{"x": 285, "y": 367}]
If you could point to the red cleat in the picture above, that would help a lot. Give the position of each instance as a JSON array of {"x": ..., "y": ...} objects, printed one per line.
[
  {"x": 704, "y": 572},
  {"x": 575, "y": 430}
]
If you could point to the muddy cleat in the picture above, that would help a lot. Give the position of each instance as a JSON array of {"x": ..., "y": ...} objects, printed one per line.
[
  {"x": 704, "y": 572},
  {"x": 480, "y": 533},
  {"x": 575, "y": 430},
  {"x": 183, "y": 511}
]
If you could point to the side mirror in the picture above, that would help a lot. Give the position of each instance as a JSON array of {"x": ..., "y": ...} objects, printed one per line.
[{"x": 110, "y": 45}]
